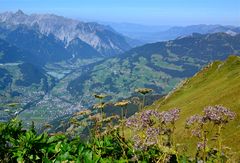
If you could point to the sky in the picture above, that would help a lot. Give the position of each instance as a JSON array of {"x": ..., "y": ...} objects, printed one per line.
[{"x": 147, "y": 12}]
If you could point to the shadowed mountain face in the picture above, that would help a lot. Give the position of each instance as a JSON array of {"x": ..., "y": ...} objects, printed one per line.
[
  {"x": 11, "y": 53},
  {"x": 102, "y": 38},
  {"x": 43, "y": 48}
]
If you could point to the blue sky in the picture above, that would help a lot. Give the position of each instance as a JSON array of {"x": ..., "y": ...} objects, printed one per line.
[{"x": 152, "y": 12}]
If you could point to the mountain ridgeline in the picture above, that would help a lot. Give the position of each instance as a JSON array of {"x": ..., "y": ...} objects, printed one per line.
[
  {"x": 153, "y": 34},
  {"x": 175, "y": 32},
  {"x": 101, "y": 38}
]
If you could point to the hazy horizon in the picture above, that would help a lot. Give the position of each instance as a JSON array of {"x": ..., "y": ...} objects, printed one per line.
[
  {"x": 116, "y": 22},
  {"x": 143, "y": 12}
]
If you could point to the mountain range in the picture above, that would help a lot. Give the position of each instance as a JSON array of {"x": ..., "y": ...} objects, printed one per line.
[
  {"x": 176, "y": 32},
  {"x": 151, "y": 34},
  {"x": 102, "y": 38}
]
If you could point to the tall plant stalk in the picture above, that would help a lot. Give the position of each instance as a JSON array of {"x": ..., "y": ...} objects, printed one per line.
[
  {"x": 122, "y": 114},
  {"x": 143, "y": 91},
  {"x": 122, "y": 105},
  {"x": 219, "y": 142}
]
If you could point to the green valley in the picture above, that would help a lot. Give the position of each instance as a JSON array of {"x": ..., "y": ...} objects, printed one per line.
[{"x": 160, "y": 66}]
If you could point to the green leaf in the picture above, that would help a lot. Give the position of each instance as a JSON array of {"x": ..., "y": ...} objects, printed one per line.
[
  {"x": 56, "y": 138},
  {"x": 58, "y": 147},
  {"x": 31, "y": 157}
]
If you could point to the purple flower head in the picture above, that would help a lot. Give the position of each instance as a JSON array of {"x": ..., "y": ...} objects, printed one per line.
[
  {"x": 195, "y": 119},
  {"x": 201, "y": 145},
  {"x": 147, "y": 117},
  {"x": 169, "y": 116},
  {"x": 138, "y": 143},
  {"x": 152, "y": 136},
  {"x": 133, "y": 122},
  {"x": 196, "y": 132},
  {"x": 150, "y": 141},
  {"x": 152, "y": 132},
  {"x": 218, "y": 114}
]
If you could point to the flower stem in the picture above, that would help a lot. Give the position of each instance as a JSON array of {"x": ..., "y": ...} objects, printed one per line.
[
  {"x": 204, "y": 146},
  {"x": 90, "y": 132},
  {"x": 172, "y": 136},
  {"x": 143, "y": 102},
  {"x": 122, "y": 121},
  {"x": 219, "y": 142}
]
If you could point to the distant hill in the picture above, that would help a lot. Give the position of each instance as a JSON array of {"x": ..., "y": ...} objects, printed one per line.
[
  {"x": 159, "y": 66},
  {"x": 151, "y": 34},
  {"x": 144, "y": 33},
  {"x": 175, "y": 32},
  {"x": 102, "y": 38},
  {"x": 216, "y": 84}
]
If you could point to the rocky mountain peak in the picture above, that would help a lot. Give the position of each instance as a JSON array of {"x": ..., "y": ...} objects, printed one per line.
[
  {"x": 102, "y": 38},
  {"x": 19, "y": 12}
]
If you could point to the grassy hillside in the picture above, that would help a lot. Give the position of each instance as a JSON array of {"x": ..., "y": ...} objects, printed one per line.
[{"x": 218, "y": 83}]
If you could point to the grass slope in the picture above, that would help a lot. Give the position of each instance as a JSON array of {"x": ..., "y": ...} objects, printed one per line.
[{"x": 218, "y": 83}]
